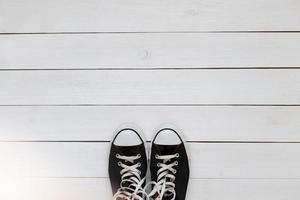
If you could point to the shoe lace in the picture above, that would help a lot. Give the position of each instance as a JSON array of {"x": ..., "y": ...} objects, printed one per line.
[
  {"x": 131, "y": 181},
  {"x": 165, "y": 185}
]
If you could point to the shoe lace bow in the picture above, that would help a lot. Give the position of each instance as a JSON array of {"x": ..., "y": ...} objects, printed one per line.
[
  {"x": 131, "y": 181},
  {"x": 165, "y": 186}
]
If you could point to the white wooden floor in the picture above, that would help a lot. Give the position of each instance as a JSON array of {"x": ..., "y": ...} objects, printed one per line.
[{"x": 226, "y": 72}]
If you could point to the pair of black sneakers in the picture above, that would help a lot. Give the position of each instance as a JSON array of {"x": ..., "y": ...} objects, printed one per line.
[{"x": 168, "y": 163}]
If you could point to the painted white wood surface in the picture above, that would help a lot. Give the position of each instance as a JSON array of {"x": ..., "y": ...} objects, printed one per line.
[
  {"x": 155, "y": 15},
  {"x": 150, "y": 87},
  {"x": 234, "y": 158},
  {"x": 160, "y": 50},
  {"x": 209, "y": 160},
  {"x": 99, "y": 188},
  {"x": 199, "y": 123}
]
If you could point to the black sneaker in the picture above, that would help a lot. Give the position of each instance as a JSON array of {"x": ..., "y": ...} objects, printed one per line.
[
  {"x": 169, "y": 166},
  {"x": 128, "y": 165}
]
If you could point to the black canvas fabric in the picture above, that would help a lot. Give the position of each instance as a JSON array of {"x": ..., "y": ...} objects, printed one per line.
[
  {"x": 114, "y": 169},
  {"x": 182, "y": 174}
]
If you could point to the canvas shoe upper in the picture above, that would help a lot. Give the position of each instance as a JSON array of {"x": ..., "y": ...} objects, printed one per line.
[
  {"x": 169, "y": 166},
  {"x": 128, "y": 165}
]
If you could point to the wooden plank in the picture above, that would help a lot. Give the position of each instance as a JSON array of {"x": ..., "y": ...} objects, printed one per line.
[
  {"x": 209, "y": 160},
  {"x": 54, "y": 188},
  {"x": 133, "y": 15},
  {"x": 199, "y": 123},
  {"x": 161, "y": 50},
  {"x": 99, "y": 188},
  {"x": 150, "y": 87}
]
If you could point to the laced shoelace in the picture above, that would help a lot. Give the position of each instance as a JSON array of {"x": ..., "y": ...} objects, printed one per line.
[
  {"x": 165, "y": 185},
  {"x": 131, "y": 182}
]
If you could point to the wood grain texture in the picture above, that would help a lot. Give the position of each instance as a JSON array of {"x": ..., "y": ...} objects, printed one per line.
[
  {"x": 133, "y": 15},
  {"x": 99, "y": 188},
  {"x": 115, "y": 61},
  {"x": 161, "y": 50},
  {"x": 209, "y": 160},
  {"x": 150, "y": 87},
  {"x": 199, "y": 123}
]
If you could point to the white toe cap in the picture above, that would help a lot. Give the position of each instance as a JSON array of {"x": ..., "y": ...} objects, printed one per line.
[
  {"x": 127, "y": 137},
  {"x": 167, "y": 137}
]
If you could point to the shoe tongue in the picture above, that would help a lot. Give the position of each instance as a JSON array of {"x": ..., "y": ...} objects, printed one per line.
[{"x": 130, "y": 150}]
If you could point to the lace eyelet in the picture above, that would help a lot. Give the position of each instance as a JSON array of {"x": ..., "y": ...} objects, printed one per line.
[
  {"x": 117, "y": 155},
  {"x": 156, "y": 156},
  {"x": 158, "y": 164},
  {"x": 119, "y": 163},
  {"x": 139, "y": 164},
  {"x": 176, "y": 163},
  {"x": 139, "y": 155},
  {"x": 177, "y": 155},
  {"x": 175, "y": 171}
]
